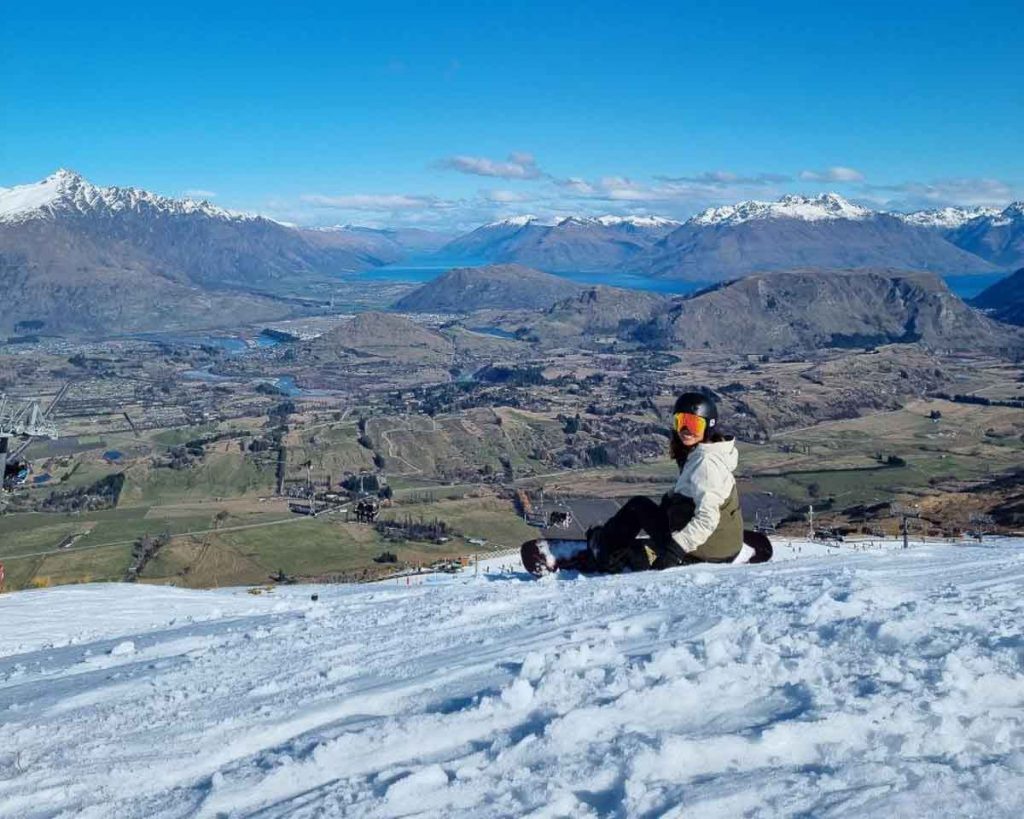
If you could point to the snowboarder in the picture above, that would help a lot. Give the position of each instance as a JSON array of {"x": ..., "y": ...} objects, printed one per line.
[{"x": 699, "y": 520}]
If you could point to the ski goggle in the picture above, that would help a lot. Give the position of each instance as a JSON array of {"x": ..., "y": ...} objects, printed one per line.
[{"x": 693, "y": 424}]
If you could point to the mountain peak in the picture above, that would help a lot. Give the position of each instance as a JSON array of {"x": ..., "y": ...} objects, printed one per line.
[
  {"x": 515, "y": 221},
  {"x": 64, "y": 175},
  {"x": 636, "y": 221},
  {"x": 790, "y": 206},
  {"x": 69, "y": 193},
  {"x": 948, "y": 218}
]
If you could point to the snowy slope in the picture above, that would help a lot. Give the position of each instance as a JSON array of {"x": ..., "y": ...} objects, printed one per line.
[
  {"x": 945, "y": 218},
  {"x": 806, "y": 208},
  {"x": 875, "y": 683},
  {"x": 66, "y": 192}
]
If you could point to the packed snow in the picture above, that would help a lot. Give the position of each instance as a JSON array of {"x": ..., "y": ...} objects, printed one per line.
[
  {"x": 69, "y": 193},
  {"x": 1008, "y": 216},
  {"x": 636, "y": 221},
  {"x": 519, "y": 221},
  {"x": 853, "y": 681},
  {"x": 945, "y": 218},
  {"x": 641, "y": 222}
]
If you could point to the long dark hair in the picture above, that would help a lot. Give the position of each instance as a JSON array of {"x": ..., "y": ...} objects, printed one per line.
[{"x": 677, "y": 450}]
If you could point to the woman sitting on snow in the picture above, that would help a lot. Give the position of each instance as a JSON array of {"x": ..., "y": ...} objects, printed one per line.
[{"x": 699, "y": 520}]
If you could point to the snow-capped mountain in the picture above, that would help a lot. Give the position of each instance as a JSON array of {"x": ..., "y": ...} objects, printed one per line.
[
  {"x": 826, "y": 232},
  {"x": 997, "y": 237},
  {"x": 84, "y": 258},
  {"x": 827, "y": 206},
  {"x": 563, "y": 244},
  {"x": 944, "y": 219},
  {"x": 68, "y": 193},
  {"x": 637, "y": 221}
]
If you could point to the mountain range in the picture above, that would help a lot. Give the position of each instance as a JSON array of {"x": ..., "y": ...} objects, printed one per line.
[
  {"x": 79, "y": 258},
  {"x": 82, "y": 258},
  {"x": 791, "y": 311},
  {"x": 998, "y": 237},
  {"x": 825, "y": 231},
  {"x": 564, "y": 246},
  {"x": 800, "y": 310}
]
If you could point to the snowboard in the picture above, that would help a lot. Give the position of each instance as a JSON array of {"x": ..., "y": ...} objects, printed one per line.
[{"x": 548, "y": 555}]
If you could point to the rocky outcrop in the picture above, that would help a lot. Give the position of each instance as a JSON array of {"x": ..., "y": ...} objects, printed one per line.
[
  {"x": 805, "y": 310},
  {"x": 379, "y": 335},
  {"x": 500, "y": 286}
]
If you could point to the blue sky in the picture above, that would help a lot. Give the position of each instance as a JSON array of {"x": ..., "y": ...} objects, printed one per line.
[{"x": 450, "y": 114}]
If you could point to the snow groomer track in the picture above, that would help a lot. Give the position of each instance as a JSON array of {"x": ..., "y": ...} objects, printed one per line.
[{"x": 878, "y": 683}]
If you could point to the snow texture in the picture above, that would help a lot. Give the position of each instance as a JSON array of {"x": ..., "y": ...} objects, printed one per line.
[
  {"x": 587, "y": 221},
  {"x": 847, "y": 682},
  {"x": 809, "y": 209},
  {"x": 945, "y": 218},
  {"x": 66, "y": 192}
]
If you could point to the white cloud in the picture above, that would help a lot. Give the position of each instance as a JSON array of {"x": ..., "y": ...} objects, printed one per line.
[
  {"x": 836, "y": 173},
  {"x": 506, "y": 197},
  {"x": 723, "y": 178},
  {"x": 964, "y": 191},
  {"x": 517, "y": 166},
  {"x": 672, "y": 196},
  {"x": 375, "y": 201},
  {"x": 198, "y": 193}
]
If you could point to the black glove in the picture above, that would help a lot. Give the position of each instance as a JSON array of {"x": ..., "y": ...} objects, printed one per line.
[
  {"x": 666, "y": 560},
  {"x": 680, "y": 511}
]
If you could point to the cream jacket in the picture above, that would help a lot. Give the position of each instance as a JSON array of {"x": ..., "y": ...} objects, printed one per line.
[{"x": 707, "y": 478}]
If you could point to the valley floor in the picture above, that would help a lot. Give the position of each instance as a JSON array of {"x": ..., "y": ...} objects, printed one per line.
[{"x": 884, "y": 682}]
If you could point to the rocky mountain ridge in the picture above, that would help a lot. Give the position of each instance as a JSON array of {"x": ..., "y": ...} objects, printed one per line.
[
  {"x": 81, "y": 259},
  {"x": 1004, "y": 300},
  {"x": 719, "y": 243},
  {"x": 997, "y": 237},
  {"x": 799, "y": 310},
  {"x": 497, "y": 287}
]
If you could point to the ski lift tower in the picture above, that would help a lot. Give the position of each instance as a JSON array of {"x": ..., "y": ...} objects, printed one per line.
[
  {"x": 26, "y": 420},
  {"x": 982, "y": 525},
  {"x": 905, "y": 515}
]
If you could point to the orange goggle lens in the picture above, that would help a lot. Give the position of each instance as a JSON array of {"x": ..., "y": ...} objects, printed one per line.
[{"x": 694, "y": 424}]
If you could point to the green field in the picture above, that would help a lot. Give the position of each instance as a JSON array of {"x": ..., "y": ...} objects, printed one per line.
[{"x": 226, "y": 532}]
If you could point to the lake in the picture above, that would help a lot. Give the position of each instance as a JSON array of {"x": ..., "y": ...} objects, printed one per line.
[{"x": 967, "y": 287}]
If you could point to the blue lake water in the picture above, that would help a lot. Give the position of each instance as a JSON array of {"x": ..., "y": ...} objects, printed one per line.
[
  {"x": 967, "y": 287},
  {"x": 287, "y": 385}
]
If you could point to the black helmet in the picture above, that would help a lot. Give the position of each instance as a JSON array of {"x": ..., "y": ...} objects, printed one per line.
[{"x": 700, "y": 405}]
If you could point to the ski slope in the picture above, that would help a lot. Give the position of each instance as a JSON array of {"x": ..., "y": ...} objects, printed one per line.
[{"x": 882, "y": 682}]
